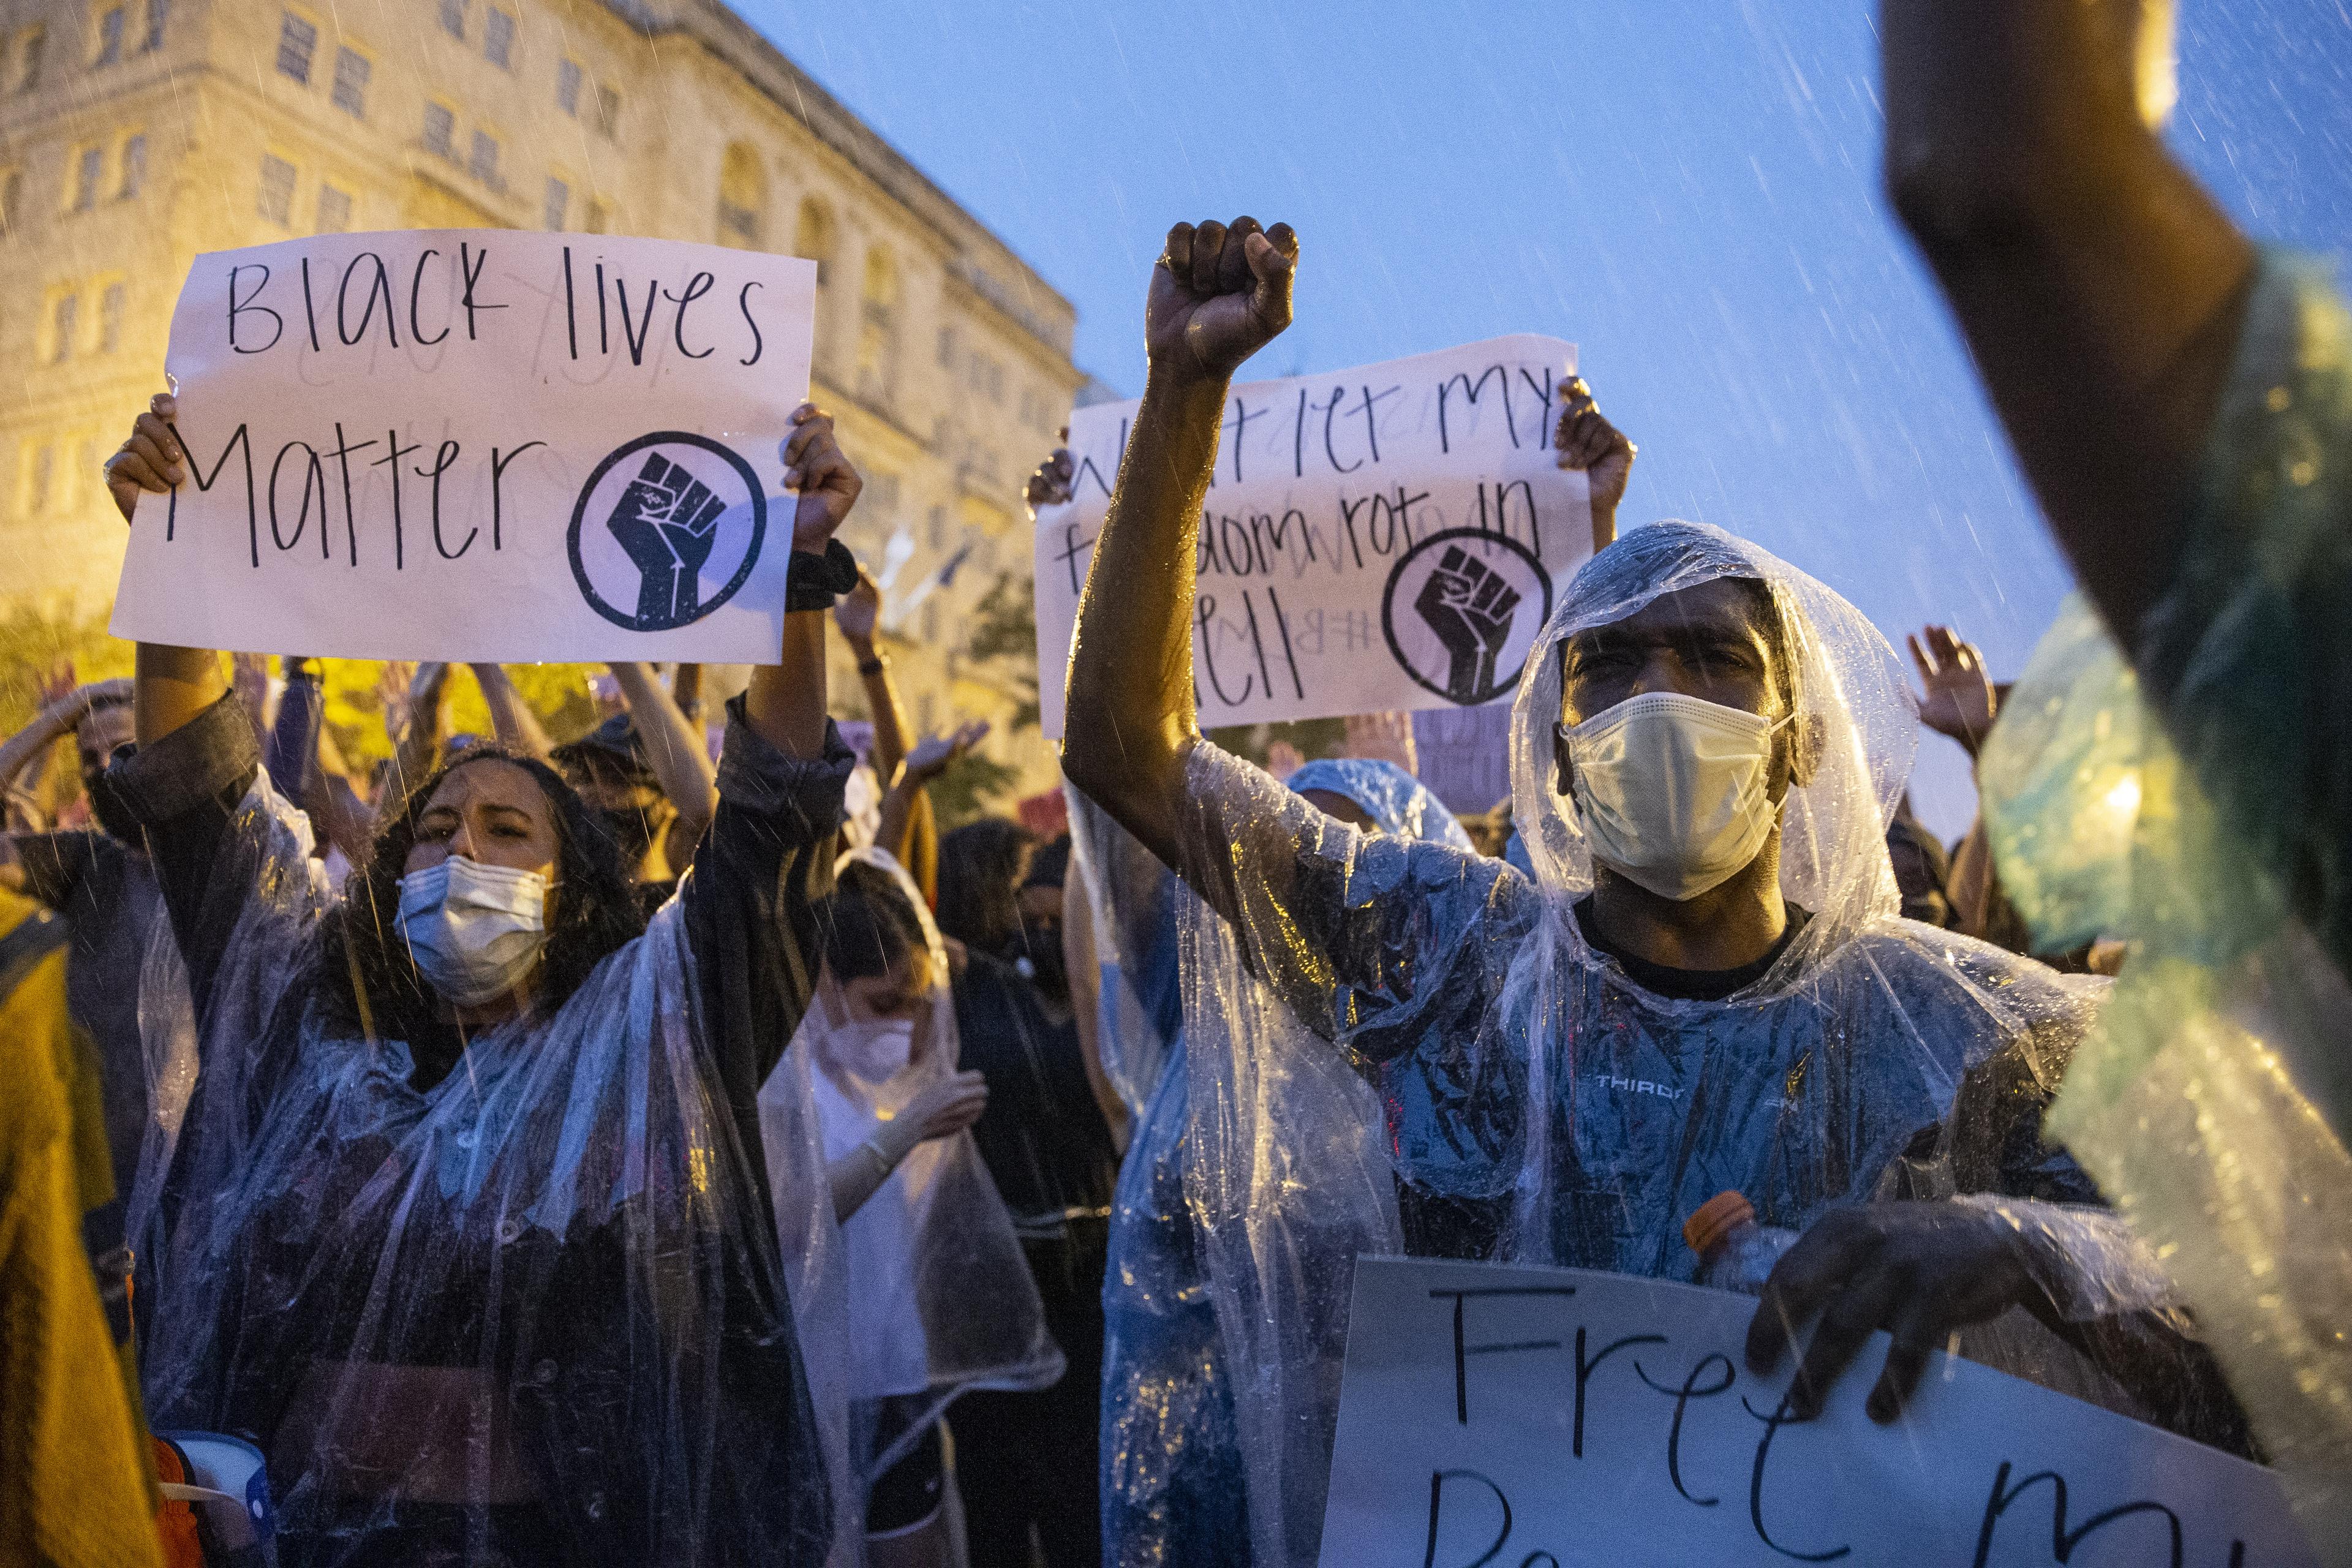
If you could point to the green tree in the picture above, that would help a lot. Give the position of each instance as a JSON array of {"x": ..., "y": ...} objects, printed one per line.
[{"x": 1004, "y": 636}]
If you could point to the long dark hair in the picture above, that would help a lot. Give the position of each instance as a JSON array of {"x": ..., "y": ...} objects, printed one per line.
[
  {"x": 980, "y": 867},
  {"x": 866, "y": 927},
  {"x": 369, "y": 984}
]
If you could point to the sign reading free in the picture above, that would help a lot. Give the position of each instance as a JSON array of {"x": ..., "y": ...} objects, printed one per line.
[
  {"x": 1513, "y": 1417},
  {"x": 477, "y": 444}
]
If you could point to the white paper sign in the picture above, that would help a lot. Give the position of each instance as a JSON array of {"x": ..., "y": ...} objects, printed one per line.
[
  {"x": 1543, "y": 1419},
  {"x": 477, "y": 444},
  {"x": 1390, "y": 537}
]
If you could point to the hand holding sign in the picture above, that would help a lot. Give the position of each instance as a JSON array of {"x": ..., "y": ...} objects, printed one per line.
[
  {"x": 814, "y": 465},
  {"x": 1218, "y": 296},
  {"x": 150, "y": 459}
]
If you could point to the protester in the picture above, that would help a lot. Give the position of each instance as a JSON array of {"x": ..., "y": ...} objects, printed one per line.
[
  {"x": 77, "y": 1487},
  {"x": 103, "y": 883},
  {"x": 915, "y": 844},
  {"x": 2182, "y": 402},
  {"x": 469, "y": 1225},
  {"x": 938, "y": 1298},
  {"x": 1031, "y": 1457},
  {"x": 1691, "y": 698},
  {"x": 649, "y": 778}
]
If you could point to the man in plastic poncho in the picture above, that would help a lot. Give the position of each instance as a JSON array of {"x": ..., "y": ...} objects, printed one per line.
[{"x": 1704, "y": 986}]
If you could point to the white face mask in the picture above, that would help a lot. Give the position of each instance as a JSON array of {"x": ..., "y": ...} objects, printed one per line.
[
  {"x": 874, "y": 1051},
  {"x": 474, "y": 930},
  {"x": 1671, "y": 790}
]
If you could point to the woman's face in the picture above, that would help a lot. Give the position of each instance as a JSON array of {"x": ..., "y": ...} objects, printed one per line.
[{"x": 492, "y": 812}]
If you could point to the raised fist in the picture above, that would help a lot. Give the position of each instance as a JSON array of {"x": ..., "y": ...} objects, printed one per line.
[
  {"x": 1218, "y": 295},
  {"x": 668, "y": 521},
  {"x": 1469, "y": 606},
  {"x": 1050, "y": 484}
]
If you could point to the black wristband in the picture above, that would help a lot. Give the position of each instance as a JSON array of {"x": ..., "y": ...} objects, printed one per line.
[
  {"x": 816, "y": 581},
  {"x": 873, "y": 665}
]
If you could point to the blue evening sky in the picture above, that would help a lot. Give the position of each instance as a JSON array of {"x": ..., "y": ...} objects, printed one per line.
[{"x": 1689, "y": 191}]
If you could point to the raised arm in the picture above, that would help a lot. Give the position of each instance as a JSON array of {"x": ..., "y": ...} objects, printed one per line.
[
  {"x": 2099, "y": 287},
  {"x": 914, "y": 839},
  {"x": 1218, "y": 294},
  {"x": 425, "y": 728},
  {"x": 673, "y": 751},
  {"x": 907, "y": 804},
  {"x": 785, "y": 703},
  {"x": 511, "y": 720}
]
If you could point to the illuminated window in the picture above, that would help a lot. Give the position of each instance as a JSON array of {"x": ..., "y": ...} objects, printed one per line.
[
  {"x": 277, "y": 190},
  {"x": 37, "y": 45},
  {"x": 334, "y": 210},
  {"x": 135, "y": 167},
  {"x": 110, "y": 318},
  {"x": 109, "y": 36},
  {"x": 498, "y": 38},
  {"x": 742, "y": 197},
  {"x": 298, "y": 41},
  {"x": 813, "y": 238},
  {"x": 157, "y": 11},
  {"x": 88, "y": 167},
  {"x": 440, "y": 130},
  {"x": 484, "y": 164},
  {"x": 453, "y": 17},
  {"x": 567, "y": 87}
]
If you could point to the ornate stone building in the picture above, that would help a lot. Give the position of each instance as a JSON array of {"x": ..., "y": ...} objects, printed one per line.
[{"x": 137, "y": 133}]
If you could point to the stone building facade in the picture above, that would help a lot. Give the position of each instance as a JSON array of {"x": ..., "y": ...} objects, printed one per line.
[{"x": 136, "y": 133}]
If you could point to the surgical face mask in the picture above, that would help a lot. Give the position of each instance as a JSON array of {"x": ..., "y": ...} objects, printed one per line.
[
  {"x": 873, "y": 1049},
  {"x": 474, "y": 930},
  {"x": 1671, "y": 790}
]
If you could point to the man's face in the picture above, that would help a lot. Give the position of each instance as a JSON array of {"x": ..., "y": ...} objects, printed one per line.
[
  {"x": 1710, "y": 642},
  {"x": 102, "y": 731}
]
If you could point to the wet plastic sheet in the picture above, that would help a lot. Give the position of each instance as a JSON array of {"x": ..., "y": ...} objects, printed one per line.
[{"x": 1877, "y": 1058}]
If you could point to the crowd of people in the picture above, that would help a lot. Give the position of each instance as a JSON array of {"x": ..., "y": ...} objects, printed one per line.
[{"x": 670, "y": 1146}]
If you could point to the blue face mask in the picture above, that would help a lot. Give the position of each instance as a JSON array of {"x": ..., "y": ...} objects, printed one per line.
[{"x": 475, "y": 932}]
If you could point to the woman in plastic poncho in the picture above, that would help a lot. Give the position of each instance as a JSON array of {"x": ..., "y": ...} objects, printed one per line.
[
  {"x": 1704, "y": 985},
  {"x": 1175, "y": 1488},
  {"x": 466, "y": 1222}
]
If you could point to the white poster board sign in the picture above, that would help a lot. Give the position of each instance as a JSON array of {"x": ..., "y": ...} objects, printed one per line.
[
  {"x": 477, "y": 444},
  {"x": 1390, "y": 537},
  {"x": 1549, "y": 1417}
]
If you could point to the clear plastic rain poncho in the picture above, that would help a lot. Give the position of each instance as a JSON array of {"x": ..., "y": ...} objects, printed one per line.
[
  {"x": 1174, "y": 1482},
  {"x": 939, "y": 1298},
  {"x": 1512, "y": 1063},
  {"x": 533, "y": 1312},
  {"x": 2213, "y": 1101}
]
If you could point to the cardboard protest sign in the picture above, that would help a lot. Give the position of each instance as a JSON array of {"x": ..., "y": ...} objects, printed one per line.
[
  {"x": 1391, "y": 537},
  {"x": 1560, "y": 1416},
  {"x": 477, "y": 444}
]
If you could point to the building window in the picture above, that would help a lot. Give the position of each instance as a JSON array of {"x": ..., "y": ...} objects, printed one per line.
[
  {"x": 813, "y": 238},
  {"x": 109, "y": 36},
  {"x": 157, "y": 11},
  {"x": 484, "y": 163},
  {"x": 88, "y": 166},
  {"x": 110, "y": 318},
  {"x": 40, "y": 466},
  {"x": 498, "y": 38},
  {"x": 12, "y": 199},
  {"x": 63, "y": 317},
  {"x": 567, "y": 87},
  {"x": 453, "y": 17},
  {"x": 28, "y": 71},
  {"x": 298, "y": 41},
  {"x": 600, "y": 217},
  {"x": 608, "y": 112},
  {"x": 559, "y": 204},
  {"x": 334, "y": 210},
  {"x": 947, "y": 348},
  {"x": 277, "y": 190},
  {"x": 742, "y": 197},
  {"x": 351, "y": 73},
  {"x": 135, "y": 167},
  {"x": 440, "y": 130}
]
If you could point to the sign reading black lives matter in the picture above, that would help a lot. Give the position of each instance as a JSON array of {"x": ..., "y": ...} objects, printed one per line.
[
  {"x": 1506, "y": 1417},
  {"x": 477, "y": 444},
  {"x": 1391, "y": 537}
]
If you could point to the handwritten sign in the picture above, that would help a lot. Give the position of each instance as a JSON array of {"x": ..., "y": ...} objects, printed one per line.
[
  {"x": 1541, "y": 1417},
  {"x": 477, "y": 444},
  {"x": 1391, "y": 537}
]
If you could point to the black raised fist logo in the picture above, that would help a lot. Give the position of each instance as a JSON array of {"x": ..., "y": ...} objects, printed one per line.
[
  {"x": 1469, "y": 606},
  {"x": 668, "y": 521}
]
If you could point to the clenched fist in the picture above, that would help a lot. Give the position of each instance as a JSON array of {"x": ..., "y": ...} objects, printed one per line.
[{"x": 1219, "y": 294}]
